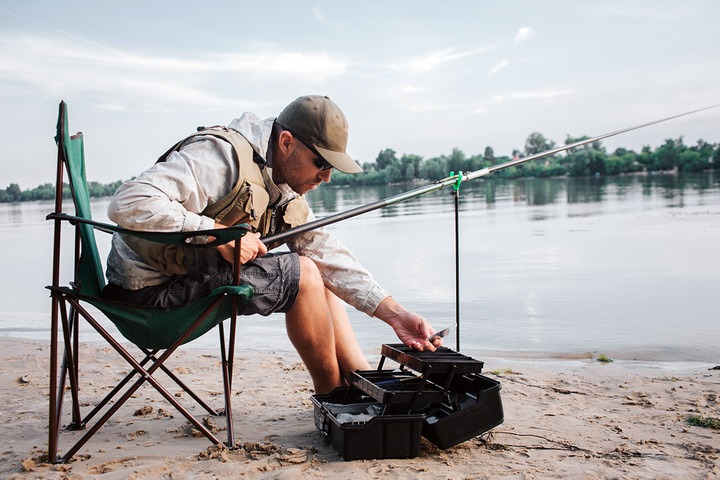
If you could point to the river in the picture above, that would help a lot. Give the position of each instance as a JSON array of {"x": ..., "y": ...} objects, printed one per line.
[{"x": 628, "y": 267}]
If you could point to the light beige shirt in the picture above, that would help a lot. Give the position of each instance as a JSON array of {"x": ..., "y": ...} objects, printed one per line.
[{"x": 167, "y": 196}]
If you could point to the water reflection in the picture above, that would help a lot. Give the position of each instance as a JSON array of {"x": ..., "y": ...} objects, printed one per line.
[{"x": 533, "y": 192}]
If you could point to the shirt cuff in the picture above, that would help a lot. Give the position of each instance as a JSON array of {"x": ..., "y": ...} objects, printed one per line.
[{"x": 373, "y": 300}]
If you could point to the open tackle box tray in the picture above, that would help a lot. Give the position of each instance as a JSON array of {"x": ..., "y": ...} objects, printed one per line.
[
  {"x": 399, "y": 390},
  {"x": 440, "y": 395}
]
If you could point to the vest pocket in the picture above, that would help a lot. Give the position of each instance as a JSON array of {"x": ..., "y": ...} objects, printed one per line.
[{"x": 296, "y": 212}]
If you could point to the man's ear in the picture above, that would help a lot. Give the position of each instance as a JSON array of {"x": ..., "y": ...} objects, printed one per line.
[{"x": 285, "y": 141}]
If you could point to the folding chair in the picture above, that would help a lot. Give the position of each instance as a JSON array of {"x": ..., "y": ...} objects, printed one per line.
[{"x": 157, "y": 332}]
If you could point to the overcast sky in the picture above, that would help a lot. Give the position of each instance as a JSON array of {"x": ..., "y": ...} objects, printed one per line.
[{"x": 419, "y": 77}]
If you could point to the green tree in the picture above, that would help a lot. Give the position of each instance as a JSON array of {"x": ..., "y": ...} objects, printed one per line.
[
  {"x": 385, "y": 159},
  {"x": 411, "y": 166},
  {"x": 393, "y": 173},
  {"x": 666, "y": 156},
  {"x": 489, "y": 155},
  {"x": 456, "y": 161},
  {"x": 691, "y": 161},
  {"x": 596, "y": 145},
  {"x": 537, "y": 143},
  {"x": 622, "y": 161},
  {"x": 13, "y": 193},
  {"x": 585, "y": 162},
  {"x": 434, "y": 168}
]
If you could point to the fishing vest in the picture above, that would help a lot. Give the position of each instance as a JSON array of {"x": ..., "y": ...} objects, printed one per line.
[{"x": 247, "y": 202}]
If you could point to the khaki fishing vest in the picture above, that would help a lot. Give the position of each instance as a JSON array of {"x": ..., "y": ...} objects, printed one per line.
[{"x": 247, "y": 202}]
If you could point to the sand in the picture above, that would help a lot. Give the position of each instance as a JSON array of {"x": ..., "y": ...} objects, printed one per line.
[{"x": 572, "y": 419}]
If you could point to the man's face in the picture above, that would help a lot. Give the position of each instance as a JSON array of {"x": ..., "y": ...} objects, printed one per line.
[{"x": 298, "y": 169}]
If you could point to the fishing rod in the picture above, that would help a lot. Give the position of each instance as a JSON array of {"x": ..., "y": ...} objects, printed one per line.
[{"x": 454, "y": 179}]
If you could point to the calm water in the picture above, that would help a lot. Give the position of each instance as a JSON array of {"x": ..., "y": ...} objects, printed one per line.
[{"x": 628, "y": 267}]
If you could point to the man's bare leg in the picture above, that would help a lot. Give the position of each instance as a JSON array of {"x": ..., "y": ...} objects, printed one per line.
[
  {"x": 310, "y": 329},
  {"x": 348, "y": 353}
]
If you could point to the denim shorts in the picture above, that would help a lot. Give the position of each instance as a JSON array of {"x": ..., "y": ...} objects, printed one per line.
[{"x": 275, "y": 278}]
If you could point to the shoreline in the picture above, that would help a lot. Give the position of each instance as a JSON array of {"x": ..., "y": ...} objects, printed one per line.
[
  {"x": 562, "y": 420},
  {"x": 638, "y": 360}
]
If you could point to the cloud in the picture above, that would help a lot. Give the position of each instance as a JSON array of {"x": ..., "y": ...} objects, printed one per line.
[
  {"x": 52, "y": 66},
  {"x": 523, "y": 34},
  {"x": 434, "y": 60},
  {"x": 323, "y": 20},
  {"x": 546, "y": 94},
  {"x": 503, "y": 63}
]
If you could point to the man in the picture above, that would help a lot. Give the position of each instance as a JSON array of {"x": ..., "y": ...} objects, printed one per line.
[{"x": 257, "y": 171}]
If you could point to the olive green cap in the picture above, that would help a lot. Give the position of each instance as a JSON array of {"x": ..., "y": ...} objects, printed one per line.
[{"x": 316, "y": 119}]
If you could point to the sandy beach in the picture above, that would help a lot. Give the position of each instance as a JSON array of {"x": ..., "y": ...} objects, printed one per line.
[{"x": 564, "y": 419}]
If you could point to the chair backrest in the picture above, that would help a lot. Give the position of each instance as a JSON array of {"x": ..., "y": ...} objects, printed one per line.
[{"x": 89, "y": 276}]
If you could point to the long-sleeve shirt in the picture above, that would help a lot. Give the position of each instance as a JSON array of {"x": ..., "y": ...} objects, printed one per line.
[{"x": 170, "y": 195}]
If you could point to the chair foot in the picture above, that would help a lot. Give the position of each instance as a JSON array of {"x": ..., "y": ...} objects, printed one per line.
[{"x": 76, "y": 426}]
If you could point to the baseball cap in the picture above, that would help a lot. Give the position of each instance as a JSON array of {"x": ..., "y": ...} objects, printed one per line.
[{"x": 316, "y": 119}]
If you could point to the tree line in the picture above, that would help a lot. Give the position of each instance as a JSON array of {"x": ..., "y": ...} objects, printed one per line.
[
  {"x": 46, "y": 191},
  {"x": 588, "y": 160}
]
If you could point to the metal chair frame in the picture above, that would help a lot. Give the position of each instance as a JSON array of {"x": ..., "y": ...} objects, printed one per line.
[{"x": 67, "y": 309}]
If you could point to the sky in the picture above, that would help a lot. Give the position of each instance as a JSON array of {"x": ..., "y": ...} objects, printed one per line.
[{"x": 419, "y": 77}]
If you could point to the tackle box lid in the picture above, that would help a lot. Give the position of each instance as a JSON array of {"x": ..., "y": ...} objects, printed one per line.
[{"x": 442, "y": 360}]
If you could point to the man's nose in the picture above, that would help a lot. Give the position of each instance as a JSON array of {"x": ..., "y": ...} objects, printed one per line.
[{"x": 325, "y": 175}]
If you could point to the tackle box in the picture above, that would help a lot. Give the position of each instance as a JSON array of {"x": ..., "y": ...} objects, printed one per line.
[
  {"x": 381, "y": 436},
  {"x": 440, "y": 395}
]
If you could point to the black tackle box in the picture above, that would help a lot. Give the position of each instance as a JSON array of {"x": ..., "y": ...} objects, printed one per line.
[{"x": 440, "y": 395}]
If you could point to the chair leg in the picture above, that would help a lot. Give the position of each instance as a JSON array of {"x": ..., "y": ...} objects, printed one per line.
[
  {"x": 149, "y": 356},
  {"x": 99, "y": 406},
  {"x": 227, "y": 385},
  {"x": 180, "y": 383},
  {"x": 145, "y": 375},
  {"x": 53, "y": 422},
  {"x": 69, "y": 368}
]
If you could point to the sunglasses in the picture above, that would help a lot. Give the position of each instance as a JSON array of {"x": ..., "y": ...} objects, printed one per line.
[{"x": 319, "y": 162}]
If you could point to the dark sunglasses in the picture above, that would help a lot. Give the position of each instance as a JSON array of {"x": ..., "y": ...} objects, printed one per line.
[{"x": 319, "y": 162}]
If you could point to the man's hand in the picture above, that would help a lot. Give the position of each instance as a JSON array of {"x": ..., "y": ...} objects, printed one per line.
[
  {"x": 409, "y": 327},
  {"x": 250, "y": 248}
]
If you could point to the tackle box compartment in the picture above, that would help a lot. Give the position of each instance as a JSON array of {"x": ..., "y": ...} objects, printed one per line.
[
  {"x": 399, "y": 390},
  {"x": 382, "y": 436},
  {"x": 473, "y": 407}
]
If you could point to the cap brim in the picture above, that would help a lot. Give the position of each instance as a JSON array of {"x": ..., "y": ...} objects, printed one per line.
[{"x": 339, "y": 160}]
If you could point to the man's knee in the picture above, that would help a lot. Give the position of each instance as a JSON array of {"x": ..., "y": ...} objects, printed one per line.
[{"x": 309, "y": 274}]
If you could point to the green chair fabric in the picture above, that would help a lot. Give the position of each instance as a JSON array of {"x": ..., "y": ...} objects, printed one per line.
[{"x": 144, "y": 326}]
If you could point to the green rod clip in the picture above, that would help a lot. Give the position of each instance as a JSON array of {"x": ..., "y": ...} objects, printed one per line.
[{"x": 456, "y": 185}]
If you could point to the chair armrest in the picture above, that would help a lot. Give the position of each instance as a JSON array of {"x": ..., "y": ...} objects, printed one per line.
[{"x": 220, "y": 235}]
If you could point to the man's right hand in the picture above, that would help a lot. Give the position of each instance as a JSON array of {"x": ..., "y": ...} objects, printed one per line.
[{"x": 250, "y": 248}]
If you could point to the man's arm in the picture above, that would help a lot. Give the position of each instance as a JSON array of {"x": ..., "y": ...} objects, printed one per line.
[
  {"x": 169, "y": 195},
  {"x": 411, "y": 328},
  {"x": 348, "y": 279}
]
